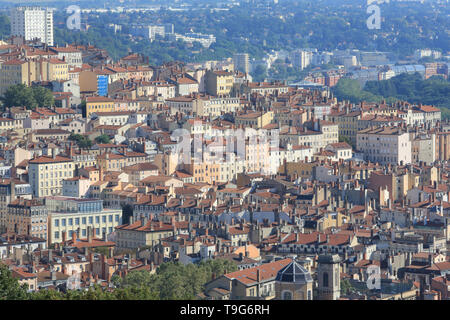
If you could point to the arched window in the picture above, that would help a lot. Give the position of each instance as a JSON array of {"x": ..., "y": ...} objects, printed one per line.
[
  {"x": 325, "y": 279},
  {"x": 287, "y": 295}
]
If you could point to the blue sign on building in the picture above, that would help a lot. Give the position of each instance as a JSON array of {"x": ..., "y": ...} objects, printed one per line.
[{"x": 102, "y": 85}]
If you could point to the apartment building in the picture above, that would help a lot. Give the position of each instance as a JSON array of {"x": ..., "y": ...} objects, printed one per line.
[
  {"x": 266, "y": 88},
  {"x": 215, "y": 106},
  {"x": 385, "y": 145},
  {"x": 241, "y": 62},
  {"x": 68, "y": 215},
  {"x": 218, "y": 82},
  {"x": 443, "y": 145},
  {"x": 10, "y": 190},
  {"x": 33, "y": 23},
  {"x": 142, "y": 233},
  {"x": 397, "y": 184},
  {"x": 316, "y": 135},
  {"x": 70, "y": 55},
  {"x": 185, "y": 86},
  {"x": 15, "y": 72},
  {"x": 420, "y": 115},
  {"x": 28, "y": 70},
  {"x": 159, "y": 89},
  {"x": 289, "y": 117},
  {"x": 347, "y": 122},
  {"x": 76, "y": 187},
  {"x": 140, "y": 171},
  {"x": 27, "y": 217},
  {"x": 10, "y": 124},
  {"x": 255, "y": 120},
  {"x": 46, "y": 174},
  {"x": 99, "y": 104},
  {"x": 290, "y": 154},
  {"x": 57, "y": 70},
  {"x": 182, "y": 104},
  {"x": 301, "y": 58},
  {"x": 423, "y": 148}
]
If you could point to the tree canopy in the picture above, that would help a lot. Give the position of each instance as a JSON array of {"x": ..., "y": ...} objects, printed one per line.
[
  {"x": 172, "y": 281},
  {"x": 260, "y": 73},
  {"x": 10, "y": 289},
  {"x": 20, "y": 95},
  {"x": 104, "y": 138},
  {"x": 414, "y": 89},
  {"x": 82, "y": 141},
  {"x": 406, "y": 87}
]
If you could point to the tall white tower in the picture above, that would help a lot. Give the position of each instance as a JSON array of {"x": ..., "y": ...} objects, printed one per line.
[{"x": 32, "y": 23}]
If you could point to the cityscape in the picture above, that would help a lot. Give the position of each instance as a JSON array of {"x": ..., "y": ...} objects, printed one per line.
[{"x": 235, "y": 150}]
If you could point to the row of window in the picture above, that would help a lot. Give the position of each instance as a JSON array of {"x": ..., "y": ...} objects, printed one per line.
[
  {"x": 76, "y": 221},
  {"x": 84, "y": 232}
]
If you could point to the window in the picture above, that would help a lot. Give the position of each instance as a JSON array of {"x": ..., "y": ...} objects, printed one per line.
[
  {"x": 56, "y": 235},
  {"x": 287, "y": 295},
  {"x": 70, "y": 221},
  {"x": 83, "y": 220},
  {"x": 56, "y": 223},
  {"x": 83, "y": 232},
  {"x": 97, "y": 219},
  {"x": 63, "y": 222},
  {"x": 325, "y": 279},
  {"x": 91, "y": 220},
  {"x": 104, "y": 219},
  {"x": 97, "y": 231}
]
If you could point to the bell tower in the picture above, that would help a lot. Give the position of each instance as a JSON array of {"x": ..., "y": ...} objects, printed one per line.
[{"x": 328, "y": 275}]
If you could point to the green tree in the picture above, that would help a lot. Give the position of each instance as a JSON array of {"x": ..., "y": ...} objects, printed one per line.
[
  {"x": 260, "y": 73},
  {"x": 116, "y": 280},
  {"x": 47, "y": 294},
  {"x": 82, "y": 141},
  {"x": 350, "y": 89},
  {"x": 30, "y": 97},
  {"x": 10, "y": 289},
  {"x": 104, "y": 138},
  {"x": 5, "y": 26},
  {"x": 43, "y": 96},
  {"x": 19, "y": 95},
  {"x": 102, "y": 250},
  {"x": 83, "y": 108},
  {"x": 347, "y": 140},
  {"x": 346, "y": 286}
]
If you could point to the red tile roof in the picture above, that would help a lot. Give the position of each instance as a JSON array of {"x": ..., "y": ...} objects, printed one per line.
[
  {"x": 46, "y": 159},
  {"x": 267, "y": 271}
]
